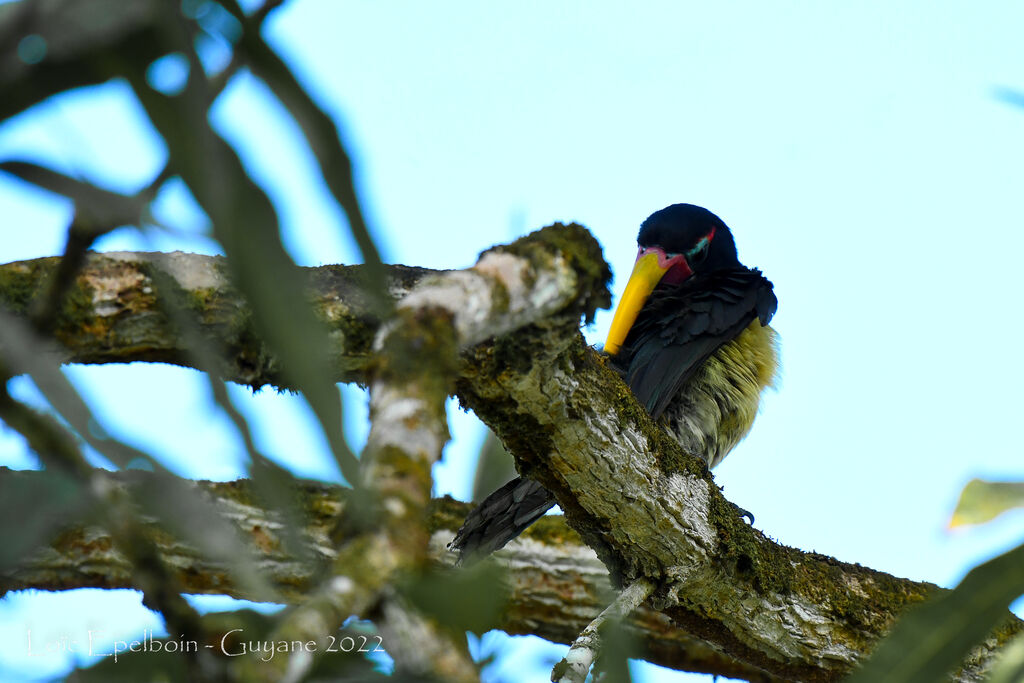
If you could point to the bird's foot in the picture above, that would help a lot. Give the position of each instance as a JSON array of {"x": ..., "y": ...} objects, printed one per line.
[{"x": 744, "y": 514}]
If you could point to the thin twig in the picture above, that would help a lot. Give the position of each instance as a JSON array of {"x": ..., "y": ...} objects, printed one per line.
[{"x": 576, "y": 664}]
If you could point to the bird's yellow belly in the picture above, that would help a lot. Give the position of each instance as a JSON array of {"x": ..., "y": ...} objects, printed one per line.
[{"x": 717, "y": 407}]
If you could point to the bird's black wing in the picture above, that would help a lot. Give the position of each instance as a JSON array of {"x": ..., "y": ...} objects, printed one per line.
[
  {"x": 680, "y": 327},
  {"x": 677, "y": 330}
]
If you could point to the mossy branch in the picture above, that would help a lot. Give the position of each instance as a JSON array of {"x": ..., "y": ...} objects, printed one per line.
[
  {"x": 648, "y": 509},
  {"x": 114, "y": 313},
  {"x": 556, "y": 583}
]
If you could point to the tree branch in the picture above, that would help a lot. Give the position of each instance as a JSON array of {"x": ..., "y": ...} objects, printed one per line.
[
  {"x": 575, "y": 666},
  {"x": 648, "y": 509},
  {"x": 114, "y": 312},
  {"x": 651, "y": 511},
  {"x": 416, "y": 361},
  {"x": 555, "y": 582}
]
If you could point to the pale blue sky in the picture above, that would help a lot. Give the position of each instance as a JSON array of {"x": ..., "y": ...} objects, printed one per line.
[{"x": 859, "y": 151}]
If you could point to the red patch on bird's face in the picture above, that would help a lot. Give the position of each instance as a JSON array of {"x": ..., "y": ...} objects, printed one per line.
[
  {"x": 678, "y": 272},
  {"x": 676, "y": 267}
]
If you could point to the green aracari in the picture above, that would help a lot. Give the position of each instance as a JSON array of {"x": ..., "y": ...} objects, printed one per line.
[{"x": 690, "y": 336}]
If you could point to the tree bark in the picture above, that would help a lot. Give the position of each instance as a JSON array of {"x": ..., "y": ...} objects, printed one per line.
[
  {"x": 555, "y": 582},
  {"x": 648, "y": 509}
]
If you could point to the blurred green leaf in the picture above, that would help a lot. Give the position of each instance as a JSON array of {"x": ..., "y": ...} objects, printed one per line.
[
  {"x": 470, "y": 599},
  {"x": 1009, "y": 668},
  {"x": 102, "y": 207},
  {"x": 324, "y": 141},
  {"x": 494, "y": 467},
  {"x": 97, "y": 212},
  {"x": 981, "y": 501},
  {"x": 34, "y": 509},
  {"x": 23, "y": 351},
  {"x": 245, "y": 223},
  {"x": 74, "y": 43},
  {"x": 618, "y": 646},
  {"x": 932, "y": 638},
  {"x": 184, "y": 510},
  {"x": 273, "y": 486}
]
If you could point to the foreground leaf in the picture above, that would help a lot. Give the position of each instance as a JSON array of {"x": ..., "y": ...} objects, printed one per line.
[
  {"x": 936, "y": 636},
  {"x": 982, "y": 501},
  {"x": 1010, "y": 667}
]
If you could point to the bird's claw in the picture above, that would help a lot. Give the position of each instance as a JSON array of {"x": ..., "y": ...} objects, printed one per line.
[{"x": 744, "y": 514}]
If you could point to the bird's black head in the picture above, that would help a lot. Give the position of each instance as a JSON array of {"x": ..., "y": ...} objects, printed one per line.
[
  {"x": 676, "y": 243},
  {"x": 694, "y": 233}
]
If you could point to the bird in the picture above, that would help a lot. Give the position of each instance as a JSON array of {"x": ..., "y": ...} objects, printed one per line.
[{"x": 692, "y": 340}]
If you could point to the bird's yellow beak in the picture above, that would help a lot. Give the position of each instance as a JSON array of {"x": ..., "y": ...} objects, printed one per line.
[{"x": 648, "y": 270}]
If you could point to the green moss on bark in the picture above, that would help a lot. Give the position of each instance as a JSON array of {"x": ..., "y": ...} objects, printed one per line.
[
  {"x": 421, "y": 349},
  {"x": 23, "y": 283},
  {"x": 577, "y": 246},
  {"x": 20, "y": 282}
]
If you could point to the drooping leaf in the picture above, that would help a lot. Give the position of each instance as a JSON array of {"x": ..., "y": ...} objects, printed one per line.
[
  {"x": 982, "y": 501},
  {"x": 467, "y": 600},
  {"x": 273, "y": 487},
  {"x": 618, "y": 646},
  {"x": 24, "y": 352},
  {"x": 103, "y": 207},
  {"x": 324, "y": 141},
  {"x": 33, "y": 509},
  {"x": 932, "y": 638},
  {"x": 245, "y": 223},
  {"x": 183, "y": 509}
]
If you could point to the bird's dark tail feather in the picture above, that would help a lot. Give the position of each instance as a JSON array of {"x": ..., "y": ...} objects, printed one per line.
[{"x": 501, "y": 516}]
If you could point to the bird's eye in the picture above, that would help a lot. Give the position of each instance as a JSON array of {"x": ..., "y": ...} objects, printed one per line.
[{"x": 697, "y": 254}]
